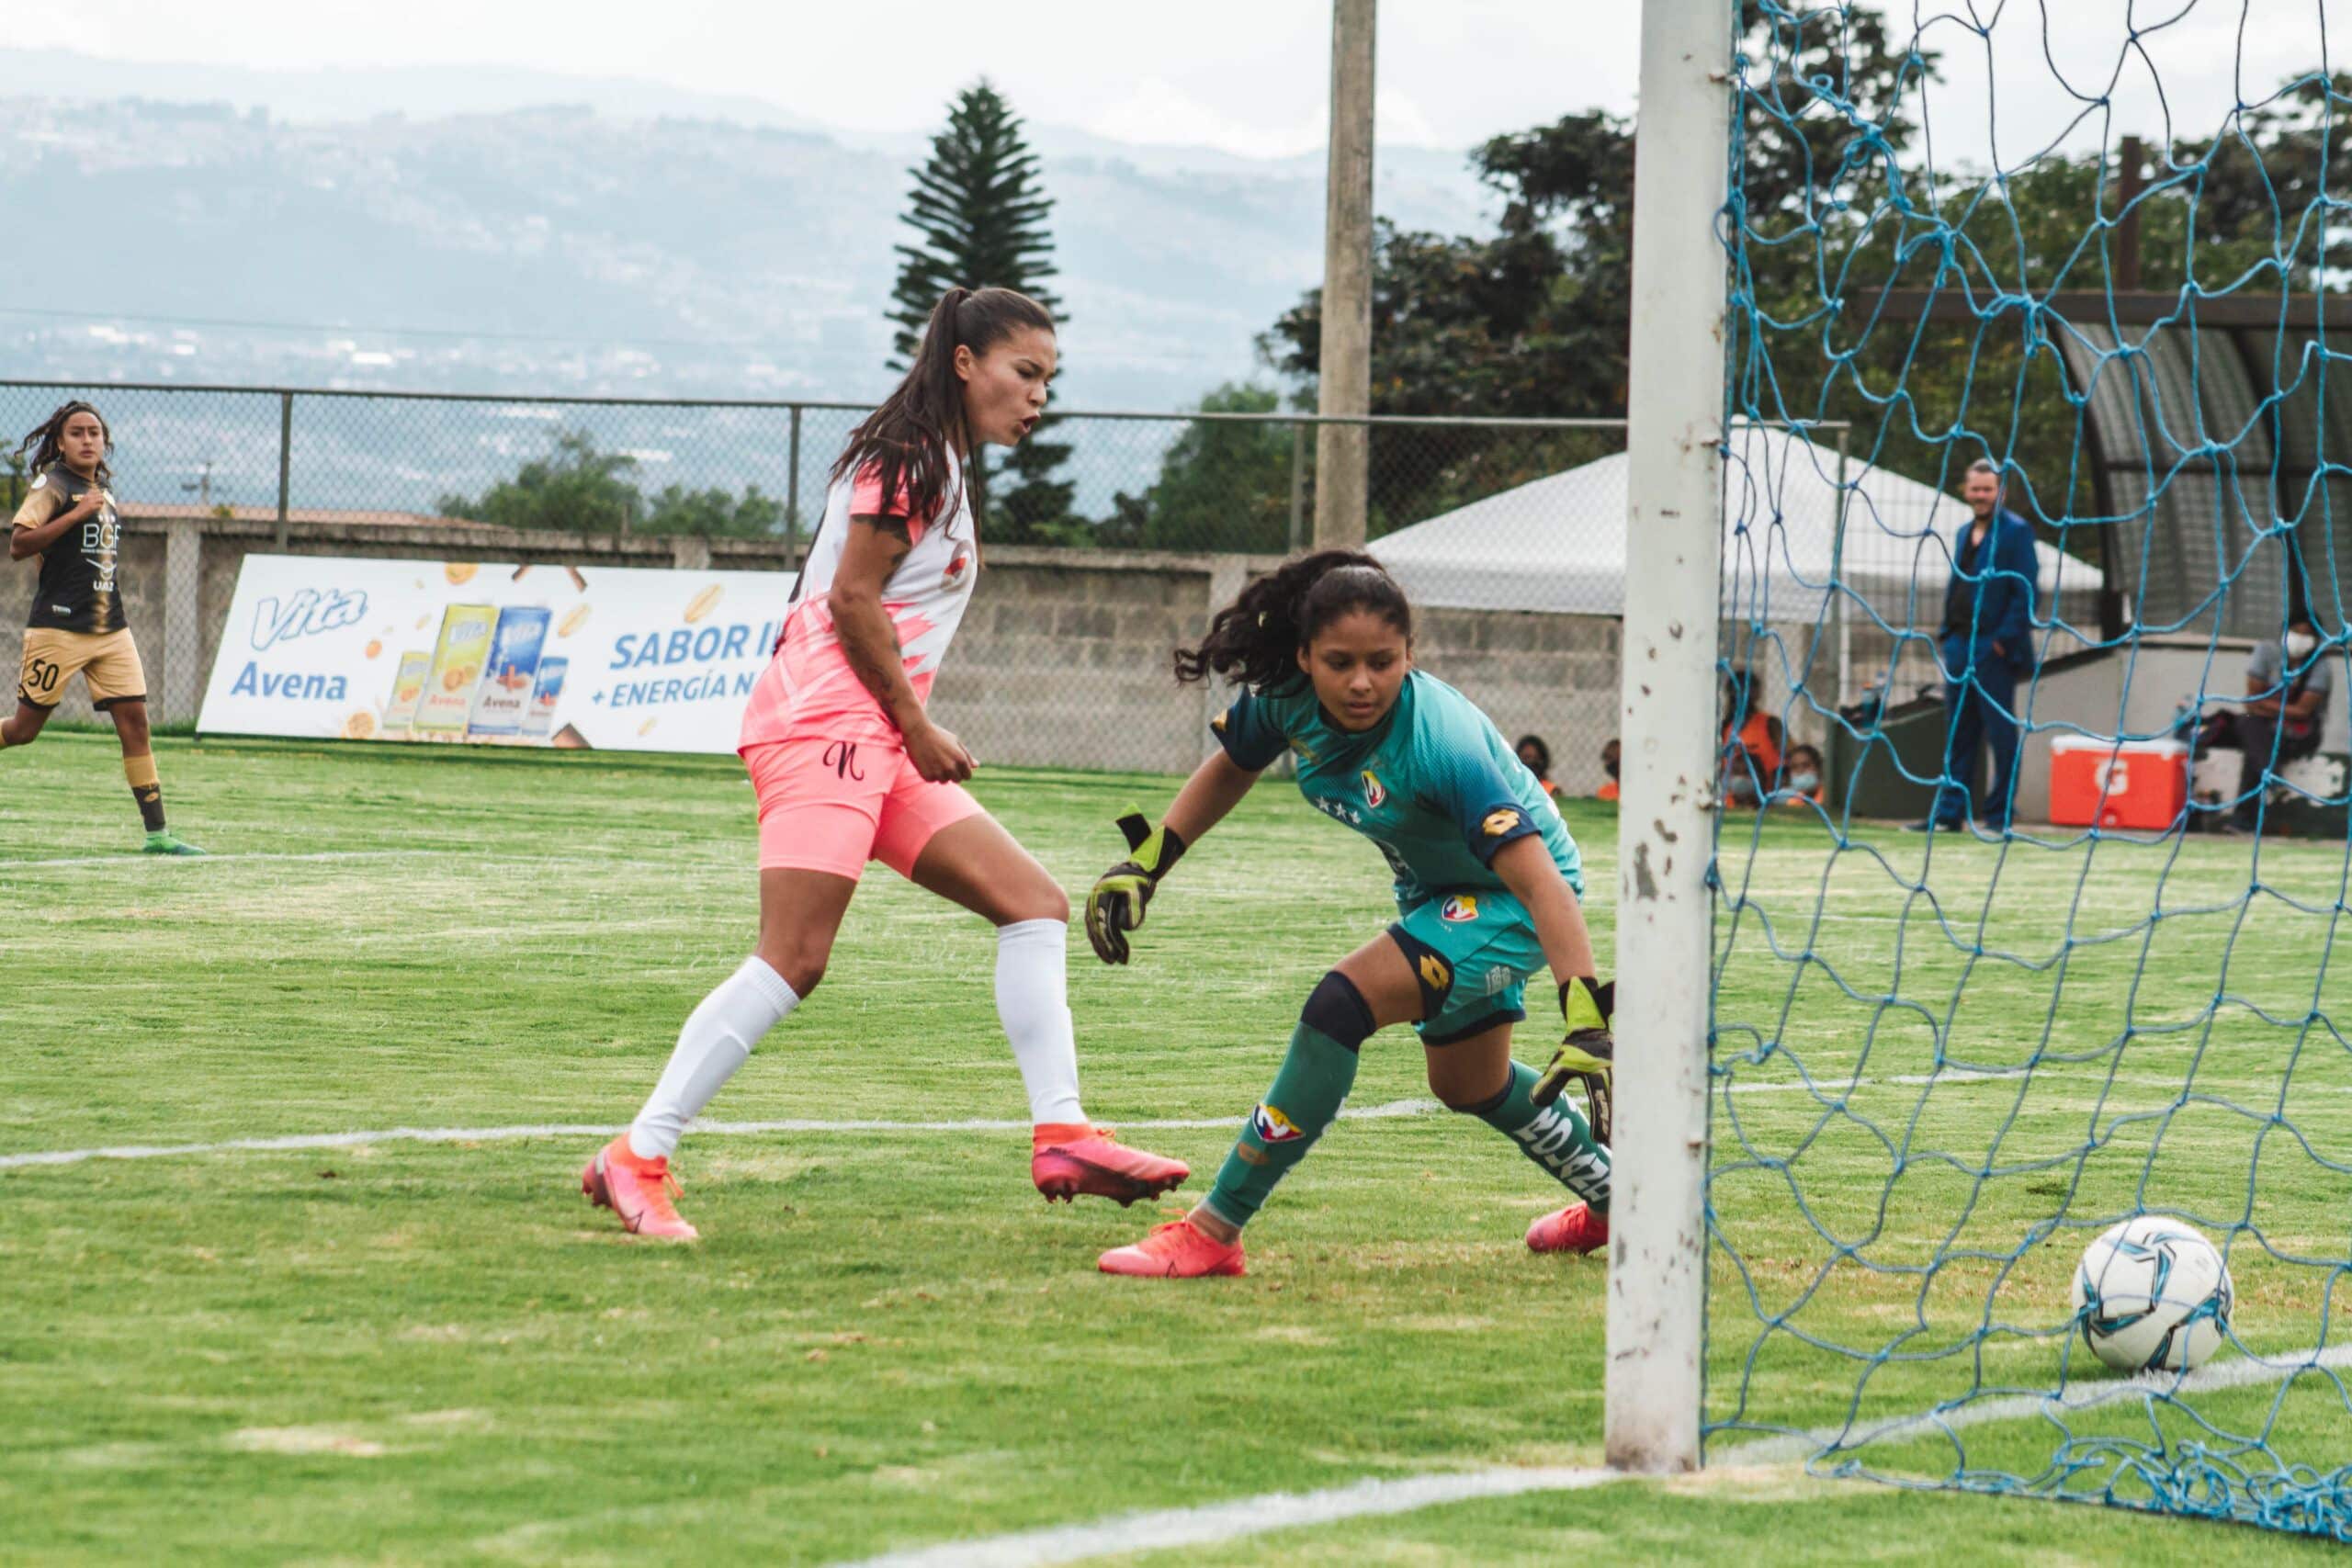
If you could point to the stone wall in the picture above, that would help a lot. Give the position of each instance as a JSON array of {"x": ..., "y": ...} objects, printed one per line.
[{"x": 1063, "y": 658}]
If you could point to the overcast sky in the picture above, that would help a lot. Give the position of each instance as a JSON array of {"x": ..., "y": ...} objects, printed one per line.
[{"x": 1246, "y": 75}]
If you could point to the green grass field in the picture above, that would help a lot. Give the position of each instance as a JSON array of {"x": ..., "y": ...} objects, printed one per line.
[{"x": 435, "y": 1351}]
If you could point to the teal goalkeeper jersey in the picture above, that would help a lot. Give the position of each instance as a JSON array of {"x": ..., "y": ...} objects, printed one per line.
[{"x": 1434, "y": 784}]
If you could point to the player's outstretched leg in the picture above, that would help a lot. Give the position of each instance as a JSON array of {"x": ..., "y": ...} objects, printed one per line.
[
  {"x": 1306, "y": 1097},
  {"x": 1464, "y": 1070},
  {"x": 631, "y": 1176},
  {"x": 1557, "y": 1137},
  {"x": 799, "y": 912}
]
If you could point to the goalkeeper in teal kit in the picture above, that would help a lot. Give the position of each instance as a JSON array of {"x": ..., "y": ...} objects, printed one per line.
[{"x": 1487, "y": 881}]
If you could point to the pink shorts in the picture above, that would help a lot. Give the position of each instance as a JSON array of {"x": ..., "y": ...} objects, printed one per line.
[{"x": 834, "y": 804}]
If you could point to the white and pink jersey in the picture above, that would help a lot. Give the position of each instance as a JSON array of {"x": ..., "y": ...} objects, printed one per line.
[{"x": 808, "y": 688}]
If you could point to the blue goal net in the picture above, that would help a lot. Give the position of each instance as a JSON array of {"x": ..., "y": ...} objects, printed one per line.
[{"x": 2032, "y": 854}]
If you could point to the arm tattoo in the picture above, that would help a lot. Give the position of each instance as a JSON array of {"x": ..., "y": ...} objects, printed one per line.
[
  {"x": 871, "y": 670},
  {"x": 879, "y": 663}
]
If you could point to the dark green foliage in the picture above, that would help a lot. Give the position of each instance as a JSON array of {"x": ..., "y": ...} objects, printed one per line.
[
  {"x": 578, "y": 489},
  {"x": 1221, "y": 485},
  {"x": 981, "y": 214}
]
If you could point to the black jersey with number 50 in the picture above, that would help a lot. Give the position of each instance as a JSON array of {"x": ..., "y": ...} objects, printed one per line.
[{"x": 77, "y": 592}]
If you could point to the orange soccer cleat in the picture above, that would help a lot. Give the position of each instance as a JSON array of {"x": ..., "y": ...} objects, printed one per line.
[
  {"x": 1075, "y": 1159},
  {"x": 1573, "y": 1229},
  {"x": 637, "y": 1189},
  {"x": 1174, "y": 1251}
]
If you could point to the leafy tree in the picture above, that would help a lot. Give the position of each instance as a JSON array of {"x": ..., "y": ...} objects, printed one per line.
[
  {"x": 1536, "y": 319},
  {"x": 981, "y": 214},
  {"x": 1222, "y": 486},
  {"x": 578, "y": 489},
  {"x": 573, "y": 488},
  {"x": 714, "y": 513}
]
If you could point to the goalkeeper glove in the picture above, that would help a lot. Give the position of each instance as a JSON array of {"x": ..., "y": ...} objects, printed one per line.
[
  {"x": 1116, "y": 904},
  {"x": 1588, "y": 1054}
]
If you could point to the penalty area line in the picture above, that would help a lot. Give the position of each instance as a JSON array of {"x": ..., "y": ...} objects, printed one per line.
[
  {"x": 1210, "y": 1523},
  {"x": 296, "y": 1141}
]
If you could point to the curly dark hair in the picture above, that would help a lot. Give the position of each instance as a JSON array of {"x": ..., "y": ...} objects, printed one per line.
[{"x": 1255, "y": 640}]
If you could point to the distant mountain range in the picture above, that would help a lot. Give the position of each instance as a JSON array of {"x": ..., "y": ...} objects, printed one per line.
[{"x": 495, "y": 229}]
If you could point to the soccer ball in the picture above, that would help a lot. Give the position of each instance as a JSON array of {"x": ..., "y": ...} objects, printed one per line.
[{"x": 2151, "y": 1293}]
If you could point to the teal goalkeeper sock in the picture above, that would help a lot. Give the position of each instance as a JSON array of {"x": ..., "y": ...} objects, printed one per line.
[
  {"x": 1554, "y": 1136},
  {"x": 1307, "y": 1093}
]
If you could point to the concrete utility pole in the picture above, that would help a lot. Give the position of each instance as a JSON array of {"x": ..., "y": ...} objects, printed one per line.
[{"x": 1343, "y": 452}]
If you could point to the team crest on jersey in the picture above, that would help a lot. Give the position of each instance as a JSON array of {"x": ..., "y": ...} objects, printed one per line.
[
  {"x": 1461, "y": 906},
  {"x": 958, "y": 567},
  {"x": 1498, "y": 823},
  {"x": 41, "y": 482},
  {"x": 1435, "y": 973},
  {"x": 1375, "y": 794},
  {"x": 1272, "y": 1127}
]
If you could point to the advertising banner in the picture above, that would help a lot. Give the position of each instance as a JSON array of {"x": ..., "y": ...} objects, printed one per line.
[{"x": 624, "y": 659}]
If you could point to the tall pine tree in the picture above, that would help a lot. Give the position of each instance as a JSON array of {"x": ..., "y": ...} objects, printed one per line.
[{"x": 981, "y": 212}]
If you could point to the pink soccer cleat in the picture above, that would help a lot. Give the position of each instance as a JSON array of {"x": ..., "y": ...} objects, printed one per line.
[
  {"x": 1573, "y": 1229},
  {"x": 1074, "y": 1159},
  {"x": 637, "y": 1189},
  {"x": 1174, "y": 1251}
]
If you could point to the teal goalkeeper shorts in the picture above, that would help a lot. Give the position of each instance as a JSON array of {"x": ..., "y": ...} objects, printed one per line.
[{"x": 1482, "y": 946}]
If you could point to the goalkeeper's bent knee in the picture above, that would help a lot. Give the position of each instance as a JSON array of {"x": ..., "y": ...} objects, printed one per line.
[{"x": 1316, "y": 1076}]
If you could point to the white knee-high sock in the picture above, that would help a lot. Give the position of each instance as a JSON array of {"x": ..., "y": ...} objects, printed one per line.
[
  {"x": 718, "y": 1035},
  {"x": 1033, "y": 1003}
]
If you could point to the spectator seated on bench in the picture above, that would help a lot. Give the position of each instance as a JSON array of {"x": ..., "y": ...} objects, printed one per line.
[{"x": 2287, "y": 687}]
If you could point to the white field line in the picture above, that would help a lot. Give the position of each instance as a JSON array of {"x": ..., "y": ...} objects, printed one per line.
[
  {"x": 1827, "y": 1087},
  {"x": 1394, "y": 1107},
  {"x": 1213, "y": 1522},
  {"x": 132, "y": 857}
]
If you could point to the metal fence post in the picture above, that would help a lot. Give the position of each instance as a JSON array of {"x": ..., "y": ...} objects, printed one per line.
[
  {"x": 183, "y": 632},
  {"x": 792, "y": 489},
  {"x": 1297, "y": 483},
  {"x": 1658, "y": 1261},
  {"x": 285, "y": 458},
  {"x": 1837, "y": 579}
]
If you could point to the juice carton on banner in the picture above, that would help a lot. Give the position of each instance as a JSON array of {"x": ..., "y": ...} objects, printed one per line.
[
  {"x": 457, "y": 660},
  {"x": 540, "y": 719},
  {"x": 408, "y": 688},
  {"x": 514, "y": 669}
]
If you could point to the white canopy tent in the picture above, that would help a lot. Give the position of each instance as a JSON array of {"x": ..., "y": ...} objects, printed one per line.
[{"x": 1558, "y": 544}]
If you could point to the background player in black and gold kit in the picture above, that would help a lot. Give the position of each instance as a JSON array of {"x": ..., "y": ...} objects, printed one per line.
[{"x": 77, "y": 628}]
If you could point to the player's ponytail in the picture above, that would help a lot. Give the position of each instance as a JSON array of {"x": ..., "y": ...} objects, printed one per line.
[
  {"x": 42, "y": 439},
  {"x": 907, "y": 439},
  {"x": 1255, "y": 640}
]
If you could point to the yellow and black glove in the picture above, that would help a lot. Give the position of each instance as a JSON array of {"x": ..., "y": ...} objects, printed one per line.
[
  {"x": 1588, "y": 1054},
  {"x": 1115, "y": 907}
]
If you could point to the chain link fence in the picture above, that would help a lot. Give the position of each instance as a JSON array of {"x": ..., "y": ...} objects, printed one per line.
[
  {"x": 1112, "y": 536},
  {"x": 1146, "y": 517}
]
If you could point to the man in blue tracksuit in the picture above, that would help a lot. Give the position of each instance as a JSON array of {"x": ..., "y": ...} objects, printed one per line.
[{"x": 1987, "y": 644}]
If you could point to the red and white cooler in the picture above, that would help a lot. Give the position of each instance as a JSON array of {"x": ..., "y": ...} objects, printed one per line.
[{"x": 2117, "y": 784}]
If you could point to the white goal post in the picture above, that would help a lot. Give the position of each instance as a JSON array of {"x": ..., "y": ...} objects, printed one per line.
[{"x": 1666, "y": 834}]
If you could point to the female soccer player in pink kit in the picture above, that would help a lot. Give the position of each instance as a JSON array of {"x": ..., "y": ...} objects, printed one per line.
[{"x": 848, "y": 767}]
